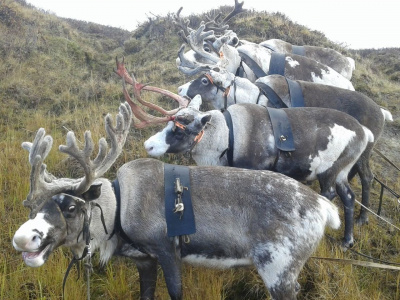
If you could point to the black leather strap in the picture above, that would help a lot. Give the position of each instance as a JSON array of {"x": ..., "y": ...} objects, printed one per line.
[
  {"x": 296, "y": 93},
  {"x": 252, "y": 65},
  {"x": 272, "y": 96},
  {"x": 299, "y": 50},
  {"x": 229, "y": 123},
  {"x": 277, "y": 64},
  {"x": 178, "y": 223},
  {"x": 282, "y": 129}
]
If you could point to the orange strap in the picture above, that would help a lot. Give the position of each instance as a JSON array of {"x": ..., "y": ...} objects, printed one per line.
[
  {"x": 209, "y": 78},
  {"x": 198, "y": 137},
  {"x": 181, "y": 126}
]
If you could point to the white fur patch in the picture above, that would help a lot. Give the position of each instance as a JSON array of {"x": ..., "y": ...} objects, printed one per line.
[
  {"x": 183, "y": 89},
  {"x": 156, "y": 145},
  {"x": 333, "y": 78},
  {"x": 281, "y": 258},
  {"x": 218, "y": 263},
  {"x": 293, "y": 63},
  {"x": 339, "y": 138},
  {"x": 25, "y": 239}
]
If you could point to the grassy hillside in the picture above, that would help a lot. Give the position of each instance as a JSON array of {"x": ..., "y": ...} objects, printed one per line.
[{"x": 58, "y": 74}]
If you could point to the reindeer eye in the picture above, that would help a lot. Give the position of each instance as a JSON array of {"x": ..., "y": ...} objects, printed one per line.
[
  {"x": 179, "y": 134},
  {"x": 206, "y": 48},
  {"x": 204, "y": 81},
  {"x": 72, "y": 208}
]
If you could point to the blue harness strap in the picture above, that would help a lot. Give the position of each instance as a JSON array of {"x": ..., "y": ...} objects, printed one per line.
[
  {"x": 282, "y": 129},
  {"x": 277, "y": 64},
  {"x": 252, "y": 65},
  {"x": 178, "y": 222},
  {"x": 296, "y": 93},
  {"x": 299, "y": 50},
  {"x": 229, "y": 151},
  {"x": 273, "y": 97}
]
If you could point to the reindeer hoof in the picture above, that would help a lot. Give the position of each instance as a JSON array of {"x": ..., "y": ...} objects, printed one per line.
[
  {"x": 347, "y": 244},
  {"x": 362, "y": 220},
  {"x": 297, "y": 288}
]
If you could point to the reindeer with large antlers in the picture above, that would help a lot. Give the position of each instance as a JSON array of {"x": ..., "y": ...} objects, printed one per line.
[
  {"x": 273, "y": 222},
  {"x": 254, "y": 58},
  {"x": 253, "y": 61}
]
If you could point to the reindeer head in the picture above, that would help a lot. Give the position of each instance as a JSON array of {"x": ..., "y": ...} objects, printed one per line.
[
  {"x": 60, "y": 206},
  {"x": 206, "y": 42},
  {"x": 182, "y": 134}
]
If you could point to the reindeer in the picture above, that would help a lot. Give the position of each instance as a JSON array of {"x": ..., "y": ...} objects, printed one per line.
[
  {"x": 221, "y": 89},
  {"x": 328, "y": 143},
  {"x": 344, "y": 65},
  {"x": 252, "y": 60},
  {"x": 273, "y": 222}
]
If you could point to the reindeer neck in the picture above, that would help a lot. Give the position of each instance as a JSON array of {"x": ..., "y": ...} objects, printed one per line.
[{"x": 214, "y": 142}]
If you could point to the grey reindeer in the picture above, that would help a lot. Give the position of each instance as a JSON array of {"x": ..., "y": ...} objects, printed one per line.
[
  {"x": 222, "y": 34},
  {"x": 243, "y": 217},
  {"x": 221, "y": 88},
  {"x": 328, "y": 142}
]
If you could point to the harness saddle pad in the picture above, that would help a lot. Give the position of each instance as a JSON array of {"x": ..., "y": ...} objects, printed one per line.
[
  {"x": 296, "y": 93},
  {"x": 282, "y": 129},
  {"x": 178, "y": 223},
  {"x": 299, "y": 50}
]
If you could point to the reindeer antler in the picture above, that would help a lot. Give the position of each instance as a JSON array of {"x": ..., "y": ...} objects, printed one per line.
[
  {"x": 189, "y": 67},
  {"x": 145, "y": 118},
  {"x": 43, "y": 185},
  {"x": 96, "y": 168}
]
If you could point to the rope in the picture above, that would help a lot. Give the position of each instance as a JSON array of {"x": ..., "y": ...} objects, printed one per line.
[
  {"x": 387, "y": 159},
  {"x": 358, "y": 263},
  {"x": 375, "y": 214}
]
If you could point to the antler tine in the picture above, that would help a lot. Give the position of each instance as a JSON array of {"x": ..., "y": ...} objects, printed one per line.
[
  {"x": 145, "y": 118},
  {"x": 236, "y": 10},
  {"x": 196, "y": 41},
  {"x": 105, "y": 158},
  {"x": 182, "y": 23},
  {"x": 137, "y": 87},
  {"x": 43, "y": 185},
  {"x": 213, "y": 23},
  {"x": 188, "y": 67}
]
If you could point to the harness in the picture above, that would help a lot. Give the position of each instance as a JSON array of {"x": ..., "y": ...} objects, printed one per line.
[
  {"x": 282, "y": 129},
  {"x": 276, "y": 64},
  {"x": 87, "y": 250},
  {"x": 229, "y": 150},
  {"x": 299, "y": 50},
  {"x": 179, "y": 213},
  {"x": 198, "y": 135},
  {"x": 225, "y": 91},
  {"x": 178, "y": 205},
  {"x": 295, "y": 93}
]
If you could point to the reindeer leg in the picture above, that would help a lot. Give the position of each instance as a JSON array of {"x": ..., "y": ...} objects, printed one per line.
[
  {"x": 171, "y": 266},
  {"x": 147, "y": 269},
  {"x": 366, "y": 177},
  {"x": 347, "y": 197}
]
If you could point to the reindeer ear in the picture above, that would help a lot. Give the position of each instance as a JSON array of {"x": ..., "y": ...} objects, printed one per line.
[
  {"x": 205, "y": 119},
  {"x": 195, "y": 102},
  {"x": 93, "y": 192}
]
